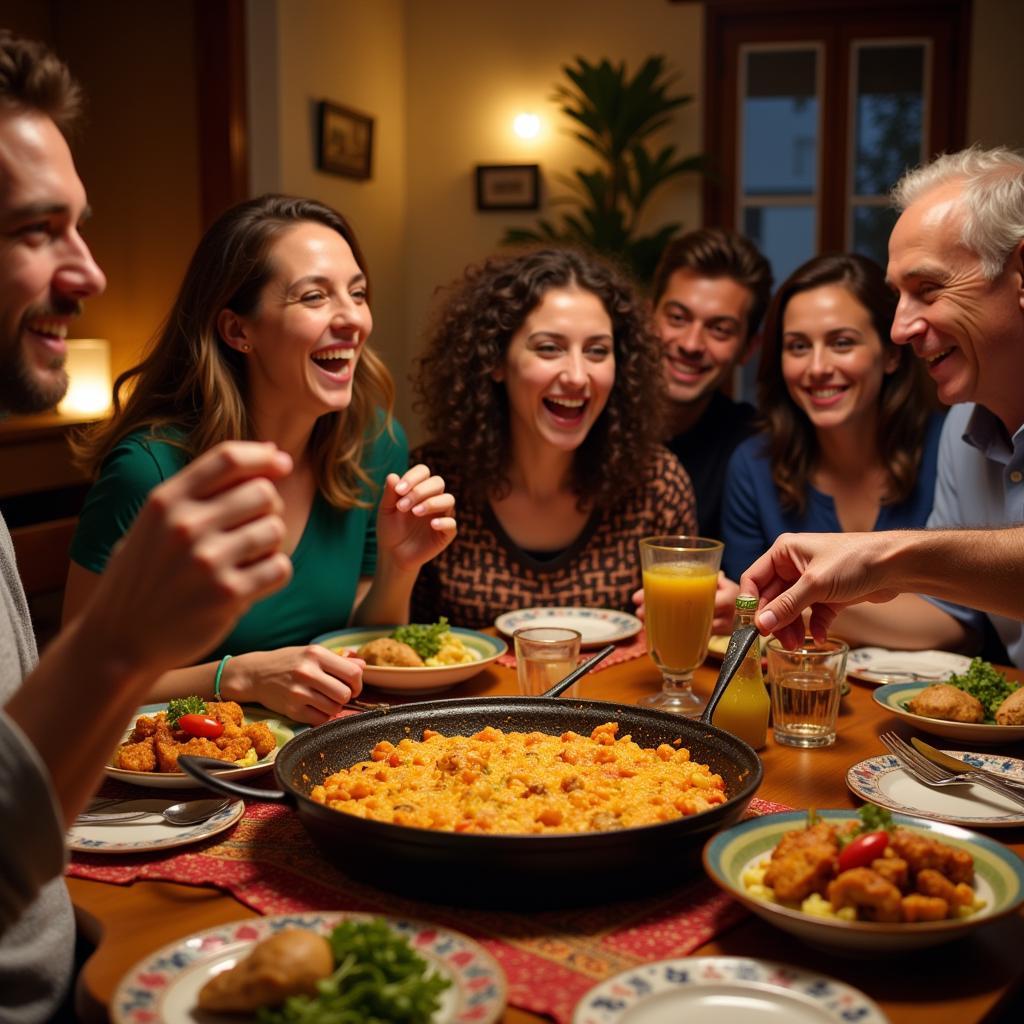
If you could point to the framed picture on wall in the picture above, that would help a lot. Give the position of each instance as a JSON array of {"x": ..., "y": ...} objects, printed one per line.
[
  {"x": 507, "y": 186},
  {"x": 345, "y": 145}
]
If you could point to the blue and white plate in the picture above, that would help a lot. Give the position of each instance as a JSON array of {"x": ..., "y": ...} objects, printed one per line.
[
  {"x": 883, "y": 780},
  {"x": 998, "y": 884},
  {"x": 596, "y": 626},
  {"x": 894, "y": 697},
  {"x": 713, "y": 989},
  {"x": 428, "y": 679},
  {"x": 879, "y": 665},
  {"x": 164, "y": 986},
  {"x": 149, "y": 833}
]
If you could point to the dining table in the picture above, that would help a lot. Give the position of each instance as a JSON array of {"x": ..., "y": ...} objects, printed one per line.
[{"x": 975, "y": 978}]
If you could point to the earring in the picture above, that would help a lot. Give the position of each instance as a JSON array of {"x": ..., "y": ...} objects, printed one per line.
[{"x": 246, "y": 347}]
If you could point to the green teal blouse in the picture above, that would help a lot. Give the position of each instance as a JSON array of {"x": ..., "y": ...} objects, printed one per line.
[{"x": 335, "y": 550}]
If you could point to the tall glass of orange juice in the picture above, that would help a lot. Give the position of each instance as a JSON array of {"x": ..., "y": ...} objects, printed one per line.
[{"x": 680, "y": 579}]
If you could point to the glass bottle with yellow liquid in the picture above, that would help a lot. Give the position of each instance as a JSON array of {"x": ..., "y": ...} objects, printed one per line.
[{"x": 743, "y": 709}]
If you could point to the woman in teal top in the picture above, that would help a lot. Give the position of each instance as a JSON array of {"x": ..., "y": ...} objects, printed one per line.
[{"x": 267, "y": 341}]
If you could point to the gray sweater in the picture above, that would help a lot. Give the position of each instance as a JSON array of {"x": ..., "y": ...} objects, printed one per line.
[{"x": 37, "y": 927}]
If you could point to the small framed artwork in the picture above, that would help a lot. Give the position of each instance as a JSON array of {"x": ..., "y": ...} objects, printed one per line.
[
  {"x": 345, "y": 145},
  {"x": 507, "y": 186}
]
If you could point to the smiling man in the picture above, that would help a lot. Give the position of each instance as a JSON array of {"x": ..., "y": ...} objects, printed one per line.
[
  {"x": 956, "y": 260},
  {"x": 710, "y": 291},
  {"x": 203, "y": 549}
]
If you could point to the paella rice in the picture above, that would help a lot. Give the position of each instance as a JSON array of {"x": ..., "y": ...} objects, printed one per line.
[{"x": 523, "y": 783}]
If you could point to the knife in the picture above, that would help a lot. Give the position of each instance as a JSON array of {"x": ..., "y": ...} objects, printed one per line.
[{"x": 955, "y": 764}]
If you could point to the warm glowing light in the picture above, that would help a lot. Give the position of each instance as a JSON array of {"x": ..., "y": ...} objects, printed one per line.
[
  {"x": 526, "y": 126},
  {"x": 88, "y": 366}
]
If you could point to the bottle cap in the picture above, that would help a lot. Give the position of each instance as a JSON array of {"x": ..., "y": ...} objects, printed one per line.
[{"x": 746, "y": 603}]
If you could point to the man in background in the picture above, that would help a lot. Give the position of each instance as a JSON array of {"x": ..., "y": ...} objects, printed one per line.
[
  {"x": 956, "y": 258},
  {"x": 711, "y": 289},
  {"x": 204, "y": 548}
]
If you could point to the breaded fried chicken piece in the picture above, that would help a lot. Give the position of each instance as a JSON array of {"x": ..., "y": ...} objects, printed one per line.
[
  {"x": 1011, "y": 711},
  {"x": 235, "y": 747},
  {"x": 261, "y": 737},
  {"x": 385, "y": 651},
  {"x": 168, "y": 752},
  {"x": 893, "y": 869},
  {"x": 136, "y": 757},
  {"x": 227, "y": 711},
  {"x": 144, "y": 726},
  {"x": 948, "y": 703},
  {"x": 916, "y": 907},
  {"x": 874, "y": 898},
  {"x": 803, "y": 862},
  {"x": 922, "y": 852}
]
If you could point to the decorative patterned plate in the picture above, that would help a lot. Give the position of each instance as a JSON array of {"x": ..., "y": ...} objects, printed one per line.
[
  {"x": 877, "y": 665},
  {"x": 998, "y": 883},
  {"x": 712, "y": 989},
  {"x": 164, "y": 986},
  {"x": 416, "y": 680},
  {"x": 282, "y": 728},
  {"x": 151, "y": 833},
  {"x": 894, "y": 696},
  {"x": 595, "y": 625},
  {"x": 883, "y": 780}
]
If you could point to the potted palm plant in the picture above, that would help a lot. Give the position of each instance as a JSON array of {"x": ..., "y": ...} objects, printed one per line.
[{"x": 615, "y": 116}]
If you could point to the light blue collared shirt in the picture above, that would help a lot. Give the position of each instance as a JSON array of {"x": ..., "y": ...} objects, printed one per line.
[{"x": 980, "y": 483}]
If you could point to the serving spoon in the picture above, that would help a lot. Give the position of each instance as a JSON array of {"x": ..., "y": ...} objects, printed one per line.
[{"x": 188, "y": 812}]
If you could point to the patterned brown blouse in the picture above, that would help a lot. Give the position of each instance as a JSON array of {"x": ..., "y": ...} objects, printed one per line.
[{"x": 483, "y": 573}]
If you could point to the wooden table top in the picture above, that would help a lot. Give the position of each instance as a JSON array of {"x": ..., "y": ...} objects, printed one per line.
[{"x": 962, "y": 982}]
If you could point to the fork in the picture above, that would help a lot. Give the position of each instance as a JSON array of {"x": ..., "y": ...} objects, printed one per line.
[{"x": 932, "y": 775}]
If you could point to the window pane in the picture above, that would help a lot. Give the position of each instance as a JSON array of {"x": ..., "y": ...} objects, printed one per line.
[
  {"x": 780, "y": 123},
  {"x": 872, "y": 226},
  {"x": 890, "y": 108},
  {"x": 787, "y": 235}
]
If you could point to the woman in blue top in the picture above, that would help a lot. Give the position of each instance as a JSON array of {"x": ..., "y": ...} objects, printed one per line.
[
  {"x": 267, "y": 340},
  {"x": 850, "y": 438}
]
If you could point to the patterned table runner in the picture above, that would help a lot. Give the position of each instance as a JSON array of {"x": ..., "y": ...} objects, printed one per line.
[{"x": 269, "y": 863}]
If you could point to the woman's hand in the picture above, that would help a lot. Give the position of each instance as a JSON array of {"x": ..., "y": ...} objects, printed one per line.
[
  {"x": 416, "y": 520},
  {"x": 308, "y": 684}
]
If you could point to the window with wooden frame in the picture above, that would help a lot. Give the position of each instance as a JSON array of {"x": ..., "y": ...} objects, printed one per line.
[{"x": 814, "y": 110}]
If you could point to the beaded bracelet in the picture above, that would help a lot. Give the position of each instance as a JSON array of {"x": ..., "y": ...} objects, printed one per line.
[{"x": 216, "y": 678}]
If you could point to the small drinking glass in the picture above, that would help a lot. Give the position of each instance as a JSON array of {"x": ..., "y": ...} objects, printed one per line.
[
  {"x": 806, "y": 684},
  {"x": 544, "y": 656},
  {"x": 680, "y": 579}
]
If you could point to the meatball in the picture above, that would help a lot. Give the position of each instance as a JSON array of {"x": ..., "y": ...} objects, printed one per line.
[
  {"x": 1011, "y": 711},
  {"x": 385, "y": 651},
  {"x": 948, "y": 703}
]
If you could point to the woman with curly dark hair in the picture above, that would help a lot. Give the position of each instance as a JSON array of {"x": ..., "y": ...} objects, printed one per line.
[
  {"x": 850, "y": 439},
  {"x": 542, "y": 390}
]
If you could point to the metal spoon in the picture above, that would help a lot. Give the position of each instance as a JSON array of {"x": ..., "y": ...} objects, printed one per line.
[{"x": 189, "y": 812}]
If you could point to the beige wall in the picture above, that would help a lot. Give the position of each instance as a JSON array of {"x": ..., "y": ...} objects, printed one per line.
[
  {"x": 303, "y": 51},
  {"x": 994, "y": 115},
  {"x": 472, "y": 67}
]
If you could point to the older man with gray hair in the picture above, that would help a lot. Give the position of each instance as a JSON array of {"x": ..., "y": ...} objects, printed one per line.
[{"x": 956, "y": 258}]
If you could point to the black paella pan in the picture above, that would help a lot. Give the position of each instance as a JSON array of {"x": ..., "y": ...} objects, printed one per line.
[{"x": 505, "y": 870}]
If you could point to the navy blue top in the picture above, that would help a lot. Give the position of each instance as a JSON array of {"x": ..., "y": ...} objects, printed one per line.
[{"x": 752, "y": 514}]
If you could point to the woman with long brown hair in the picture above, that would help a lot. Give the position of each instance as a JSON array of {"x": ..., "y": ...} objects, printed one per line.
[
  {"x": 267, "y": 341},
  {"x": 542, "y": 389},
  {"x": 850, "y": 438}
]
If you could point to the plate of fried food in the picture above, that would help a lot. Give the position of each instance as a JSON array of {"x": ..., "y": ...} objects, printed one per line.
[
  {"x": 418, "y": 658},
  {"x": 328, "y": 966},
  {"x": 246, "y": 741},
  {"x": 978, "y": 706},
  {"x": 866, "y": 881}
]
